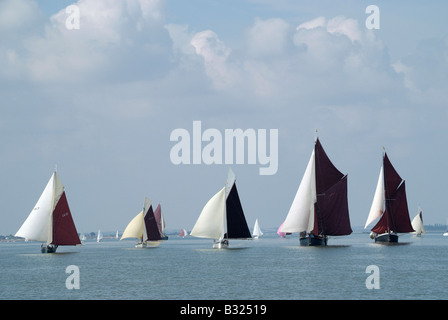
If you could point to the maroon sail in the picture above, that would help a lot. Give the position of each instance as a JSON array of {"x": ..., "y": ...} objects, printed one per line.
[
  {"x": 64, "y": 230},
  {"x": 158, "y": 216},
  {"x": 396, "y": 214},
  {"x": 331, "y": 212}
]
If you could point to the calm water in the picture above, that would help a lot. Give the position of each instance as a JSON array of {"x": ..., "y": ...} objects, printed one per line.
[{"x": 269, "y": 269}]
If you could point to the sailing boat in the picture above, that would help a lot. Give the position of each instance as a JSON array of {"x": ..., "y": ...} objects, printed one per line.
[
  {"x": 183, "y": 233},
  {"x": 391, "y": 204},
  {"x": 280, "y": 233},
  {"x": 417, "y": 223},
  {"x": 222, "y": 218},
  {"x": 99, "y": 237},
  {"x": 320, "y": 207},
  {"x": 160, "y": 222},
  {"x": 143, "y": 227},
  {"x": 116, "y": 235},
  {"x": 257, "y": 231},
  {"x": 51, "y": 221}
]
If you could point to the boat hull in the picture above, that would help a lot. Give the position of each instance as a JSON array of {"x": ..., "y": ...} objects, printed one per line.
[
  {"x": 220, "y": 244},
  {"x": 309, "y": 241},
  {"x": 51, "y": 248},
  {"x": 386, "y": 238},
  {"x": 147, "y": 244}
]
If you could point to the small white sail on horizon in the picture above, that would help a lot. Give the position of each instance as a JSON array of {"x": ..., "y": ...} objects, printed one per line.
[
  {"x": 417, "y": 223},
  {"x": 257, "y": 233},
  {"x": 99, "y": 237}
]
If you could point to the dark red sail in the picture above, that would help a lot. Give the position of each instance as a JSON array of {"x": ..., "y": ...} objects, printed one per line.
[
  {"x": 396, "y": 215},
  {"x": 158, "y": 216},
  {"x": 331, "y": 209},
  {"x": 64, "y": 230}
]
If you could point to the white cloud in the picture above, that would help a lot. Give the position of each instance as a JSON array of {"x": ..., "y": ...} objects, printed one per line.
[{"x": 268, "y": 37}]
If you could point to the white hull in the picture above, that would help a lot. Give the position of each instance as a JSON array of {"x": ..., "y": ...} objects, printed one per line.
[
  {"x": 147, "y": 244},
  {"x": 445, "y": 234}
]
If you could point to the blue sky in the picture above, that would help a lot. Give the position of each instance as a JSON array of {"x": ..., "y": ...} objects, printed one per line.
[{"x": 100, "y": 102}]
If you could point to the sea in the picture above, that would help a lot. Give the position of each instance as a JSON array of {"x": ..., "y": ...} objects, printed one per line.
[{"x": 269, "y": 268}]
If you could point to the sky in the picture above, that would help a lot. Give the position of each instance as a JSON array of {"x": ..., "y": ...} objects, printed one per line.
[{"x": 100, "y": 102}]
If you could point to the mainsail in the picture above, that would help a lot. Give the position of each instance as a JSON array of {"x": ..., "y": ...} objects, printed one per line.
[
  {"x": 389, "y": 202},
  {"x": 143, "y": 226},
  {"x": 50, "y": 220},
  {"x": 417, "y": 223},
  {"x": 223, "y": 217},
  {"x": 320, "y": 206}
]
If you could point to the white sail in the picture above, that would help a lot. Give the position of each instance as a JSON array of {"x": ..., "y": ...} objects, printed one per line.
[
  {"x": 377, "y": 208},
  {"x": 38, "y": 225},
  {"x": 210, "y": 223},
  {"x": 257, "y": 231},
  {"x": 417, "y": 223},
  {"x": 135, "y": 228},
  {"x": 99, "y": 236},
  {"x": 301, "y": 214}
]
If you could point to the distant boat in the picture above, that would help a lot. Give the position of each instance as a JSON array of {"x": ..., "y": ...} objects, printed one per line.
[
  {"x": 222, "y": 218},
  {"x": 83, "y": 237},
  {"x": 51, "y": 221},
  {"x": 320, "y": 207},
  {"x": 99, "y": 237},
  {"x": 389, "y": 203},
  {"x": 143, "y": 227},
  {"x": 116, "y": 235},
  {"x": 257, "y": 231},
  {"x": 445, "y": 234},
  {"x": 417, "y": 223},
  {"x": 280, "y": 233},
  {"x": 183, "y": 233},
  {"x": 160, "y": 222}
]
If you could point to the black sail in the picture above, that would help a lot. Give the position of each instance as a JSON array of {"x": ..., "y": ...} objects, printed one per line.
[
  {"x": 236, "y": 222},
  {"x": 152, "y": 229}
]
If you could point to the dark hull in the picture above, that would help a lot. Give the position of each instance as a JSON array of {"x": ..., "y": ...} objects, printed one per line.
[
  {"x": 313, "y": 241},
  {"x": 48, "y": 248},
  {"x": 386, "y": 238}
]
